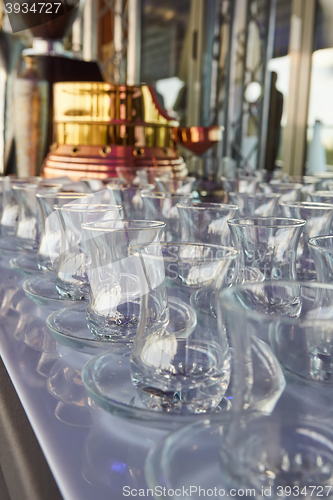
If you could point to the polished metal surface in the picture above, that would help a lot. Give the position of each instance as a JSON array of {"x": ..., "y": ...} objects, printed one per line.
[{"x": 99, "y": 126}]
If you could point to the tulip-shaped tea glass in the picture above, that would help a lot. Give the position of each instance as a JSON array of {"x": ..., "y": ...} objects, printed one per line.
[
  {"x": 50, "y": 235},
  {"x": 321, "y": 250},
  {"x": 9, "y": 219},
  {"x": 162, "y": 206},
  {"x": 257, "y": 204},
  {"x": 279, "y": 456},
  {"x": 288, "y": 191},
  {"x": 182, "y": 366},
  {"x": 128, "y": 175},
  {"x": 129, "y": 197},
  {"x": 325, "y": 179},
  {"x": 296, "y": 319},
  {"x": 29, "y": 220},
  {"x": 266, "y": 244},
  {"x": 175, "y": 185},
  {"x": 50, "y": 242},
  {"x": 304, "y": 343},
  {"x": 148, "y": 175},
  {"x": 205, "y": 222},
  {"x": 119, "y": 278},
  {"x": 72, "y": 280},
  {"x": 319, "y": 222},
  {"x": 322, "y": 197},
  {"x": 241, "y": 185}
]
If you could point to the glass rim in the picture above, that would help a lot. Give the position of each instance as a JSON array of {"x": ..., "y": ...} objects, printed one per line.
[
  {"x": 206, "y": 205},
  {"x": 33, "y": 185},
  {"x": 135, "y": 169},
  {"x": 231, "y": 253},
  {"x": 241, "y": 178},
  {"x": 93, "y": 226},
  {"x": 246, "y": 222},
  {"x": 306, "y": 204},
  {"x": 124, "y": 186},
  {"x": 323, "y": 193},
  {"x": 226, "y": 300},
  {"x": 313, "y": 245},
  {"x": 24, "y": 180},
  {"x": 161, "y": 195},
  {"x": 290, "y": 185},
  {"x": 179, "y": 179},
  {"x": 255, "y": 195},
  {"x": 82, "y": 207},
  {"x": 63, "y": 195},
  {"x": 155, "y": 169}
]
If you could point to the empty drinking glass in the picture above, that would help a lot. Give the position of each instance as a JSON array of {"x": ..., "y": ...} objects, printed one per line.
[
  {"x": 279, "y": 456},
  {"x": 182, "y": 366},
  {"x": 148, "y": 175},
  {"x": 50, "y": 241},
  {"x": 29, "y": 221},
  {"x": 319, "y": 220},
  {"x": 321, "y": 249},
  {"x": 295, "y": 318},
  {"x": 325, "y": 179},
  {"x": 322, "y": 197},
  {"x": 260, "y": 204},
  {"x": 129, "y": 197},
  {"x": 288, "y": 191},
  {"x": 205, "y": 222},
  {"x": 162, "y": 206},
  {"x": 119, "y": 278},
  {"x": 310, "y": 185},
  {"x": 9, "y": 219},
  {"x": 129, "y": 175},
  {"x": 72, "y": 280},
  {"x": 267, "y": 244},
  {"x": 175, "y": 185},
  {"x": 240, "y": 185},
  {"x": 92, "y": 185}
]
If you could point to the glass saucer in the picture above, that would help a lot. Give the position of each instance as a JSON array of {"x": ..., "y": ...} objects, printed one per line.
[
  {"x": 245, "y": 454},
  {"x": 108, "y": 381},
  {"x": 190, "y": 457},
  {"x": 69, "y": 327},
  {"x": 25, "y": 264},
  {"x": 42, "y": 290}
]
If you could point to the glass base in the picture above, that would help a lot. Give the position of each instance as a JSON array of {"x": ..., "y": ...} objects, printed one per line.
[
  {"x": 73, "y": 291},
  {"x": 25, "y": 264},
  {"x": 194, "y": 383},
  {"x": 107, "y": 379},
  {"x": 42, "y": 290},
  {"x": 69, "y": 327}
]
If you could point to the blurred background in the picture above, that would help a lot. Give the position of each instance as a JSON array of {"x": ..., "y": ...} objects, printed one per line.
[{"x": 262, "y": 69}]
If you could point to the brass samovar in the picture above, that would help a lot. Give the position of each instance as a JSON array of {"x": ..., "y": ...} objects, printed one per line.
[{"x": 100, "y": 126}]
